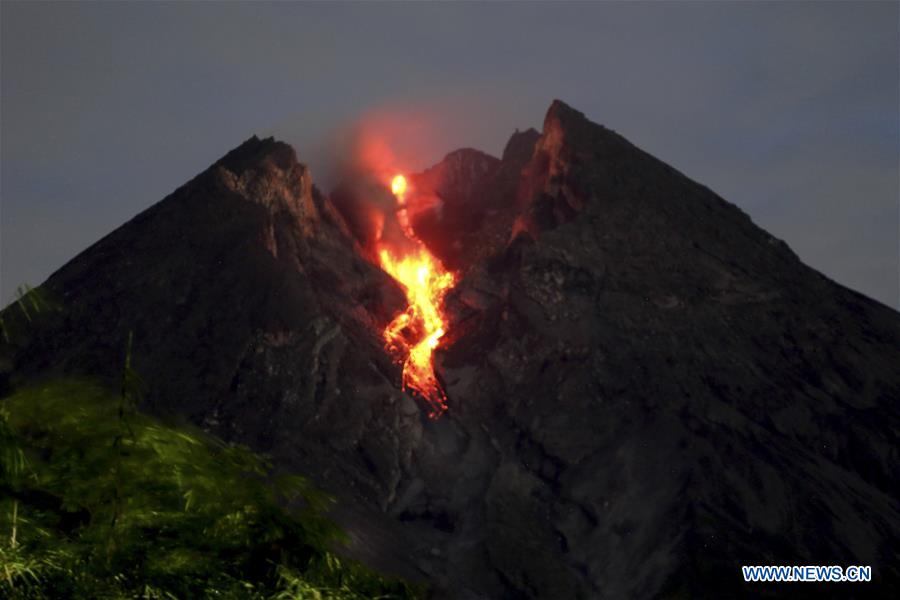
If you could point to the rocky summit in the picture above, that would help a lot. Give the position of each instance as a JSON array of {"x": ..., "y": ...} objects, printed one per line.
[{"x": 646, "y": 390}]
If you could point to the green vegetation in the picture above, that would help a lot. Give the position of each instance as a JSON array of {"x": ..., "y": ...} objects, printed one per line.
[{"x": 100, "y": 501}]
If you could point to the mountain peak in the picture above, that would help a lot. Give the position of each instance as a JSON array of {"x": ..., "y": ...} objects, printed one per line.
[
  {"x": 266, "y": 172},
  {"x": 560, "y": 112},
  {"x": 569, "y": 131},
  {"x": 255, "y": 151}
]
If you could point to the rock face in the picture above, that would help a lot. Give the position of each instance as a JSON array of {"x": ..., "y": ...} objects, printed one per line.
[
  {"x": 478, "y": 202},
  {"x": 646, "y": 390}
]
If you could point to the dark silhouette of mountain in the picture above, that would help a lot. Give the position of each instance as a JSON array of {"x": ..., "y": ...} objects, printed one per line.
[{"x": 646, "y": 390}]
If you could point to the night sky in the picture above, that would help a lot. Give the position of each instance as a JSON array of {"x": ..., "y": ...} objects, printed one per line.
[{"x": 788, "y": 110}]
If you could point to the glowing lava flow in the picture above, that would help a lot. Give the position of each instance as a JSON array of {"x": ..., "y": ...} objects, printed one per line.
[{"x": 415, "y": 333}]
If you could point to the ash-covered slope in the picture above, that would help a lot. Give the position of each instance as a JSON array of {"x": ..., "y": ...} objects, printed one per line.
[{"x": 646, "y": 390}]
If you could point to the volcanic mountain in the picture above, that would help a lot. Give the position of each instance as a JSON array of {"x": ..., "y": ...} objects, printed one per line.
[{"x": 646, "y": 390}]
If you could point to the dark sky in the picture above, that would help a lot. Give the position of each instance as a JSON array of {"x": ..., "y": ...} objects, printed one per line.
[{"x": 788, "y": 110}]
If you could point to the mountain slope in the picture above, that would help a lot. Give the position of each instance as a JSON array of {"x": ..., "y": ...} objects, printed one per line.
[
  {"x": 683, "y": 395},
  {"x": 646, "y": 390}
]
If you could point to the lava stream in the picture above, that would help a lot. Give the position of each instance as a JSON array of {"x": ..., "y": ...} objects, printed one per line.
[{"x": 415, "y": 333}]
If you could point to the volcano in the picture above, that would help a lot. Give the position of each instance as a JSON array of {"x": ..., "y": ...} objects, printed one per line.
[{"x": 644, "y": 390}]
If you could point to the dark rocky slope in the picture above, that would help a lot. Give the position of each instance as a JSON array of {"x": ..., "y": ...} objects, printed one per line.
[{"x": 646, "y": 390}]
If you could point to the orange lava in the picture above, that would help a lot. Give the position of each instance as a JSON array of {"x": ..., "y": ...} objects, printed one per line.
[{"x": 414, "y": 334}]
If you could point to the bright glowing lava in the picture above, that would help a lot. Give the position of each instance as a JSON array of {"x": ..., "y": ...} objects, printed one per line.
[
  {"x": 398, "y": 186},
  {"x": 414, "y": 334}
]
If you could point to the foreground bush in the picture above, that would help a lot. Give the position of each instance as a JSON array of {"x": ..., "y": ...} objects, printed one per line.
[{"x": 100, "y": 501}]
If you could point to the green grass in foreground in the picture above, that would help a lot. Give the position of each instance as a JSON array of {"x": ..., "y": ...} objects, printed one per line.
[{"x": 100, "y": 501}]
